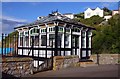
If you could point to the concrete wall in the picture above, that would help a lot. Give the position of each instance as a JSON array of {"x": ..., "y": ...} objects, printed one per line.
[
  {"x": 17, "y": 66},
  {"x": 61, "y": 62},
  {"x": 106, "y": 58}
]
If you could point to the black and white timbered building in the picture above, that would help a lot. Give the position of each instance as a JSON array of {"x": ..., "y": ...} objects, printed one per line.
[{"x": 54, "y": 35}]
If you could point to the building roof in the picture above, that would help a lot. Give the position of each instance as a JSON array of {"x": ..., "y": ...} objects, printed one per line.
[
  {"x": 54, "y": 16},
  {"x": 115, "y": 10}
]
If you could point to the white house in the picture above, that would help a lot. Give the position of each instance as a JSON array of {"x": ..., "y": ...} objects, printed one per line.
[
  {"x": 91, "y": 12},
  {"x": 115, "y": 12},
  {"x": 69, "y": 15},
  {"x": 107, "y": 17}
]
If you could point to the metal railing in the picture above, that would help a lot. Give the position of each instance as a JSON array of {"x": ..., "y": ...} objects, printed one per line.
[{"x": 8, "y": 45}]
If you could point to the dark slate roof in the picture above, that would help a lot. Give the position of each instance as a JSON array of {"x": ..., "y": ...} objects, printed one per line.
[{"x": 54, "y": 16}]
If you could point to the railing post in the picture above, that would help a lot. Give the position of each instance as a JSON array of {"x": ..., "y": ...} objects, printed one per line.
[
  {"x": 64, "y": 39},
  {"x": 17, "y": 43},
  {"x": 2, "y": 43},
  {"x": 52, "y": 55},
  {"x": 75, "y": 45},
  {"x": 32, "y": 46},
  {"x": 60, "y": 47},
  {"x": 71, "y": 41},
  {"x": 46, "y": 44},
  {"x": 5, "y": 44}
]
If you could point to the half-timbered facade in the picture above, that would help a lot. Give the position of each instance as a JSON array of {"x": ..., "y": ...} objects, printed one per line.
[{"x": 54, "y": 35}]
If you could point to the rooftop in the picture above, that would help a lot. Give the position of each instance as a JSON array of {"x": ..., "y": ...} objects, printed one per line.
[{"x": 54, "y": 16}]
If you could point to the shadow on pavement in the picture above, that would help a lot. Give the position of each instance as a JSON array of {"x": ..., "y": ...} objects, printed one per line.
[{"x": 7, "y": 76}]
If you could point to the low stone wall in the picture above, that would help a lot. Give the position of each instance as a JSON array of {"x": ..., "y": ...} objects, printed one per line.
[
  {"x": 60, "y": 62},
  {"x": 106, "y": 58},
  {"x": 17, "y": 66}
]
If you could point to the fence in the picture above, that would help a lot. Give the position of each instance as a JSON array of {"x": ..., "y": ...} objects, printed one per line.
[{"x": 8, "y": 46}]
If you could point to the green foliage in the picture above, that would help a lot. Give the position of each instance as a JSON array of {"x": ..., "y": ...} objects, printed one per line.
[
  {"x": 80, "y": 15},
  {"x": 107, "y": 11},
  {"x": 93, "y": 21},
  {"x": 107, "y": 37}
]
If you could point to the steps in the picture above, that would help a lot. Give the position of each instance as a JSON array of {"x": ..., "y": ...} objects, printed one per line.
[
  {"x": 86, "y": 63},
  {"x": 44, "y": 66}
]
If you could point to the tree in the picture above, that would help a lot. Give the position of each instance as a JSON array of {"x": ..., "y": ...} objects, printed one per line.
[
  {"x": 107, "y": 11},
  {"x": 80, "y": 15},
  {"x": 107, "y": 39}
]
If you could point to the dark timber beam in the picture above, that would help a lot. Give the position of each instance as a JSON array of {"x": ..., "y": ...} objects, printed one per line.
[
  {"x": 64, "y": 38},
  {"x": 22, "y": 43},
  {"x": 81, "y": 45},
  {"x": 2, "y": 43},
  {"x": 71, "y": 40},
  {"x": 56, "y": 41},
  {"x": 87, "y": 41},
  {"x": 46, "y": 44}
]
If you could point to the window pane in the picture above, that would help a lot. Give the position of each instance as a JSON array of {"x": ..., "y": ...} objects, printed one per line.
[
  {"x": 26, "y": 40},
  {"x": 21, "y": 41},
  {"x": 43, "y": 40},
  {"x": 51, "y": 39},
  {"x": 36, "y": 41}
]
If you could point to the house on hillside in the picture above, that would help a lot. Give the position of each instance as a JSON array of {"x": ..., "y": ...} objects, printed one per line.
[
  {"x": 115, "y": 12},
  {"x": 91, "y": 12},
  {"x": 107, "y": 17},
  {"x": 54, "y": 35},
  {"x": 69, "y": 15}
]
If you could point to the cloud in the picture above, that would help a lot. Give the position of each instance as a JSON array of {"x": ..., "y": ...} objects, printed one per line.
[
  {"x": 7, "y": 23},
  {"x": 108, "y": 4}
]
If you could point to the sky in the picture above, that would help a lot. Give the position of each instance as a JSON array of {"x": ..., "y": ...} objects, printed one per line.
[{"x": 17, "y": 13}]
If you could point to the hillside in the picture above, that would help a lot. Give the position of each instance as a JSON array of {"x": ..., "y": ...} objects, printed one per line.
[{"x": 107, "y": 38}]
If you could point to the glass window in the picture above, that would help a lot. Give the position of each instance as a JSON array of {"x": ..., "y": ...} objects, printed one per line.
[
  {"x": 75, "y": 41},
  {"x": 26, "y": 33},
  {"x": 51, "y": 29},
  {"x": 83, "y": 42},
  {"x": 21, "y": 41},
  {"x": 76, "y": 30},
  {"x": 21, "y": 34},
  {"x": 26, "y": 41},
  {"x": 43, "y": 40},
  {"x": 66, "y": 40},
  {"x": 83, "y": 34},
  {"x": 36, "y": 41},
  {"x": 60, "y": 29},
  {"x": 51, "y": 39},
  {"x": 34, "y": 30},
  {"x": 89, "y": 33},
  {"x": 67, "y": 29},
  {"x": 88, "y": 14}
]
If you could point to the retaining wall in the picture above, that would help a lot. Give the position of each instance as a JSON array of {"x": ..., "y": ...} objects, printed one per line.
[
  {"x": 60, "y": 62},
  {"x": 17, "y": 66},
  {"x": 106, "y": 58}
]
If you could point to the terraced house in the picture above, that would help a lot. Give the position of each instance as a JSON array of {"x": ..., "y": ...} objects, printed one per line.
[{"x": 54, "y": 35}]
